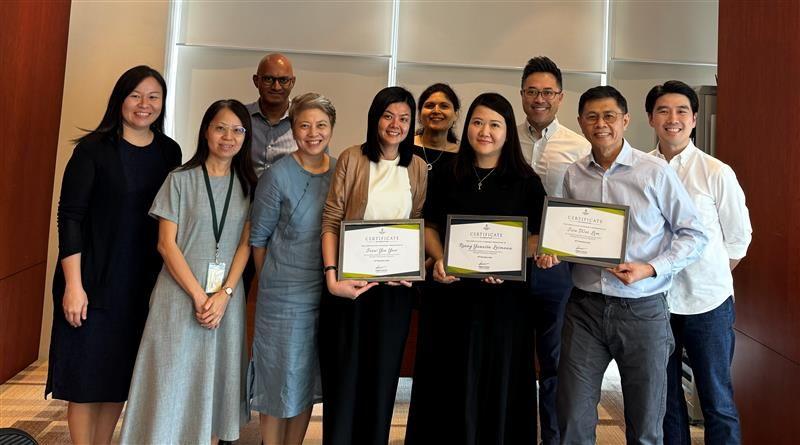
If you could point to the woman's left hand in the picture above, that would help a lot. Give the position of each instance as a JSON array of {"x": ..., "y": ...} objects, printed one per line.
[
  {"x": 399, "y": 283},
  {"x": 214, "y": 310}
]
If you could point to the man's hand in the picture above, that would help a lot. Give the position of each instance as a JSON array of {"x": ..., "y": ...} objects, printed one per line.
[{"x": 630, "y": 273}]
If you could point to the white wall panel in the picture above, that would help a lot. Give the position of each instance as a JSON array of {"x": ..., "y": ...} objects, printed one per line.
[
  {"x": 334, "y": 26},
  {"x": 469, "y": 83},
  {"x": 503, "y": 33},
  {"x": 634, "y": 80},
  {"x": 205, "y": 75},
  {"x": 665, "y": 30}
]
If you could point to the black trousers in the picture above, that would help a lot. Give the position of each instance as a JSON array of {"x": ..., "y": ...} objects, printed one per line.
[{"x": 361, "y": 349}]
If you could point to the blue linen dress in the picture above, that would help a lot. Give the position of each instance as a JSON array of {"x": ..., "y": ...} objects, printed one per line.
[{"x": 286, "y": 219}]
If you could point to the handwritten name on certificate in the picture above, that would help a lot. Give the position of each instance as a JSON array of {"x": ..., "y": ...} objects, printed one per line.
[
  {"x": 480, "y": 246},
  {"x": 584, "y": 232},
  {"x": 375, "y": 250}
]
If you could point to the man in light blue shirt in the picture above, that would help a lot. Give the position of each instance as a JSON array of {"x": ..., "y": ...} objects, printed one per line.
[{"x": 621, "y": 313}]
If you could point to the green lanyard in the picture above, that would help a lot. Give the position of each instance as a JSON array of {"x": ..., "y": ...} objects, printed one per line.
[{"x": 217, "y": 226}]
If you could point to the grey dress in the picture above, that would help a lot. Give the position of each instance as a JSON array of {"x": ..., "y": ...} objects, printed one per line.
[
  {"x": 189, "y": 382},
  {"x": 286, "y": 219}
]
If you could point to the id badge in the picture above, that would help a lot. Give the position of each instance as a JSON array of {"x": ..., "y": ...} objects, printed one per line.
[{"x": 215, "y": 277}]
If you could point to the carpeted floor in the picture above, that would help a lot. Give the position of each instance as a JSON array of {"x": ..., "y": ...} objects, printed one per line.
[{"x": 22, "y": 406}]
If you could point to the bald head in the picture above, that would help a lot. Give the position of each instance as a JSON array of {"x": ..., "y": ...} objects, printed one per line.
[{"x": 274, "y": 81}]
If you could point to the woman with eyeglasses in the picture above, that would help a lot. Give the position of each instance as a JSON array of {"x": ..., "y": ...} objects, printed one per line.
[
  {"x": 189, "y": 381},
  {"x": 474, "y": 381},
  {"x": 363, "y": 326},
  {"x": 285, "y": 236},
  {"x": 107, "y": 258}
]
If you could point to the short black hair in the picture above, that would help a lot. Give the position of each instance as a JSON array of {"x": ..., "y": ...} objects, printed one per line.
[
  {"x": 451, "y": 96},
  {"x": 541, "y": 64},
  {"x": 603, "y": 92},
  {"x": 385, "y": 97},
  {"x": 671, "y": 87}
]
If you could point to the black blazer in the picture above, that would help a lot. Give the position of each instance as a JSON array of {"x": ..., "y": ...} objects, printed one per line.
[{"x": 89, "y": 210}]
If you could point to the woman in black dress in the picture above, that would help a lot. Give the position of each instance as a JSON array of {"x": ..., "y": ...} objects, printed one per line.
[
  {"x": 474, "y": 381},
  {"x": 436, "y": 142},
  {"x": 108, "y": 261}
]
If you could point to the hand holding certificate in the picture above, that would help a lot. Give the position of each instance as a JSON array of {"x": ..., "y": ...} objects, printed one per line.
[
  {"x": 490, "y": 247},
  {"x": 593, "y": 233},
  {"x": 382, "y": 250}
]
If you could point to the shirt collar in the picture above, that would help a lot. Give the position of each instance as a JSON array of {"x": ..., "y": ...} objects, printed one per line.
[
  {"x": 682, "y": 157},
  {"x": 547, "y": 132},
  {"x": 255, "y": 110},
  {"x": 625, "y": 156}
]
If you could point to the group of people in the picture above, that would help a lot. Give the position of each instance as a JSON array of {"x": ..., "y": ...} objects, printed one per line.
[{"x": 154, "y": 261}]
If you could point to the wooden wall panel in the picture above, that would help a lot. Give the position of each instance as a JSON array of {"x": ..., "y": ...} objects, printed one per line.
[
  {"x": 33, "y": 49},
  {"x": 759, "y": 136},
  {"x": 767, "y": 390},
  {"x": 19, "y": 334}
]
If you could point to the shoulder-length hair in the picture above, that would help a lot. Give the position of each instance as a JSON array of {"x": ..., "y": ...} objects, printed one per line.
[
  {"x": 111, "y": 124},
  {"x": 242, "y": 163},
  {"x": 511, "y": 161},
  {"x": 385, "y": 97},
  {"x": 451, "y": 96}
]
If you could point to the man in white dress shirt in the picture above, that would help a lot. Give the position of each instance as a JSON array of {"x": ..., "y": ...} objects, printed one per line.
[
  {"x": 550, "y": 148},
  {"x": 701, "y": 296}
]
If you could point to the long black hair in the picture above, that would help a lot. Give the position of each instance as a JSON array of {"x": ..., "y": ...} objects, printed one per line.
[
  {"x": 385, "y": 97},
  {"x": 451, "y": 96},
  {"x": 511, "y": 161},
  {"x": 242, "y": 163},
  {"x": 111, "y": 124}
]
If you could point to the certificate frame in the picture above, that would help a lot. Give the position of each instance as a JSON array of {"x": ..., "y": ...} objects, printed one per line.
[
  {"x": 620, "y": 227},
  {"x": 345, "y": 272},
  {"x": 510, "y": 275}
]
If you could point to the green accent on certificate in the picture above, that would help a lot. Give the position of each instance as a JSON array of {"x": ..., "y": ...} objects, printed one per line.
[
  {"x": 479, "y": 246},
  {"x": 388, "y": 250}
]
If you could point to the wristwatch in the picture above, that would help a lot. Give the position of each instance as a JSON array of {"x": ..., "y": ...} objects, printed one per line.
[{"x": 228, "y": 290}]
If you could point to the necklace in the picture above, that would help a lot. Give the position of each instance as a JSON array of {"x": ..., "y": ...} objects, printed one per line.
[
  {"x": 425, "y": 154},
  {"x": 480, "y": 180}
]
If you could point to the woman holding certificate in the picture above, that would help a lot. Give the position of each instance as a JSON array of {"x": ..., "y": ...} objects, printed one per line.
[
  {"x": 474, "y": 381},
  {"x": 285, "y": 228},
  {"x": 189, "y": 381},
  {"x": 363, "y": 326}
]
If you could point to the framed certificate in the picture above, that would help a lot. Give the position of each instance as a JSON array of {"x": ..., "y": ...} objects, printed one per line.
[
  {"x": 483, "y": 246},
  {"x": 584, "y": 232},
  {"x": 384, "y": 250}
]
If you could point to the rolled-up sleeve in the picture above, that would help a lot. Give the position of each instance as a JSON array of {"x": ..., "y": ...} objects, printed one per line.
[
  {"x": 734, "y": 218},
  {"x": 73, "y": 204},
  {"x": 167, "y": 203}
]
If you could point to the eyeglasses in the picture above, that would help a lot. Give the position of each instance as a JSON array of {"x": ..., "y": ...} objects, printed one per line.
[
  {"x": 269, "y": 80},
  {"x": 608, "y": 117},
  {"x": 222, "y": 129},
  {"x": 531, "y": 93}
]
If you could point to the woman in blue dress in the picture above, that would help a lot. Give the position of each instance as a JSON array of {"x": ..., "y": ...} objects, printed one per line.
[{"x": 285, "y": 236}]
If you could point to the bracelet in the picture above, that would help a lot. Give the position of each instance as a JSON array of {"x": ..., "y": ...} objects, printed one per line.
[{"x": 327, "y": 268}]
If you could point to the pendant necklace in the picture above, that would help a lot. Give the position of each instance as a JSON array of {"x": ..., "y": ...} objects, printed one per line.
[
  {"x": 480, "y": 180},
  {"x": 425, "y": 154}
]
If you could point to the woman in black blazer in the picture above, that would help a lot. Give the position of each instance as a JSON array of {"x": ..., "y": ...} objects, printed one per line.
[{"x": 108, "y": 261}]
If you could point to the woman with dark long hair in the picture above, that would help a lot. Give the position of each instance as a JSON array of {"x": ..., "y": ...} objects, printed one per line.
[
  {"x": 436, "y": 142},
  {"x": 107, "y": 258},
  {"x": 189, "y": 381},
  {"x": 363, "y": 326},
  {"x": 474, "y": 381}
]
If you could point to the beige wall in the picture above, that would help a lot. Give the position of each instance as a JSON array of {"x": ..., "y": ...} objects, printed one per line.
[{"x": 105, "y": 39}]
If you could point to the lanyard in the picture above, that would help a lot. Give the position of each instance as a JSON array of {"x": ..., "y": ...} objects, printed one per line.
[{"x": 217, "y": 226}]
